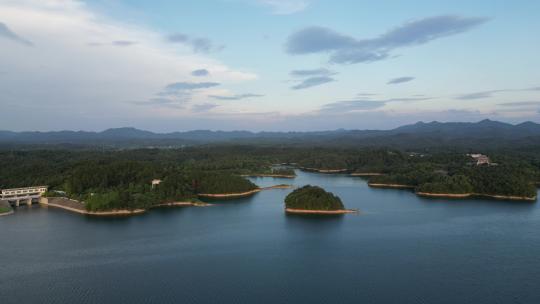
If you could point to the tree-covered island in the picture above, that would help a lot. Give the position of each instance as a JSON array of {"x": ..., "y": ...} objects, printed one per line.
[{"x": 314, "y": 199}]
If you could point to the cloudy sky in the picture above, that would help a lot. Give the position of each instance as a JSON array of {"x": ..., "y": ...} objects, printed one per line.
[{"x": 266, "y": 64}]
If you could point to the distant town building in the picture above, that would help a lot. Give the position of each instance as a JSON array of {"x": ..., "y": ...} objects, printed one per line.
[
  {"x": 416, "y": 154},
  {"x": 480, "y": 159},
  {"x": 155, "y": 182}
]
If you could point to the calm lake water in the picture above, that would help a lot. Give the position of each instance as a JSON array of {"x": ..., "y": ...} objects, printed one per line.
[{"x": 400, "y": 249}]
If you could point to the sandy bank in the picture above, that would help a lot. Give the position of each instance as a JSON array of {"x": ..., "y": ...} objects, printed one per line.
[
  {"x": 229, "y": 195},
  {"x": 180, "y": 204},
  {"x": 397, "y": 186},
  {"x": 269, "y": 175},
  {"x": 465, "y": 195},
  {"x": 327, "y": 171},
  {"x": 242, "y": 194},
  {"x": 277, "y": 187},
  {"x": 308, "y": 211},
  {"x": 448, "y": 195}
]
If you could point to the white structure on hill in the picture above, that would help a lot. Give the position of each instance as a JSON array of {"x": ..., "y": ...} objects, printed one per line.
[
  {"x": 155, "y": 182},
  {"x": 480, "y": 159}
]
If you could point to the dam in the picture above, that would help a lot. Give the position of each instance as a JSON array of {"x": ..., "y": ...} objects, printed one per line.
[{"x": 16, "y": 196}]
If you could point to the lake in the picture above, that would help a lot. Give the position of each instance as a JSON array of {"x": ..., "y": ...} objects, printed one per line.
[{"x": 399, "y": 249}]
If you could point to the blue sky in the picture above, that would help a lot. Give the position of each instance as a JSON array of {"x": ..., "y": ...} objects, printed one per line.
[{"x": 266, "y": 64}]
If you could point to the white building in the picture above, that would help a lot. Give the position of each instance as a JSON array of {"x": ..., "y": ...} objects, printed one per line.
[
  {"x": 480, "y": 159},
  {"x": 155, "y": 182}
]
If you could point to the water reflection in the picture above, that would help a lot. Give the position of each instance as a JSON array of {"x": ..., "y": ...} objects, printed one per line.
[{"x": 250, "y": 251}]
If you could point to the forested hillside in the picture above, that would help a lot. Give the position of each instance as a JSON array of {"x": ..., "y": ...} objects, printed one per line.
[
  {"x": 485, "y": 134},
  {"x": 109, "y": 179}
]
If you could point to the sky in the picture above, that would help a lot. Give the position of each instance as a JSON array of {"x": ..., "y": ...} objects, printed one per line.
[{"x": 275, "y": 65}]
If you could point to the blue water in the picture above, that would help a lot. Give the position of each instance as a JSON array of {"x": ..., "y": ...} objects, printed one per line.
[{"x": 399, "y": 249}]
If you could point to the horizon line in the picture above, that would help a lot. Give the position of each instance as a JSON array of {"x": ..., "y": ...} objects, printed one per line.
[{"x": 266, "y": 131}]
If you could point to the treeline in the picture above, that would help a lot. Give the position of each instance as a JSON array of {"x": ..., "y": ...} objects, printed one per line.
[
  {"x": 173, "y": 188},
  {"x": 283, "y": 171},
  {"x": 122, "y": 179},
  {"x": 127, "y": 184},
  {"x": 502, "y": 179},
  {"x": 209, "y": 182}
]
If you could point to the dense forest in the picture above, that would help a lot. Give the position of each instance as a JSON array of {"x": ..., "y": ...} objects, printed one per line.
[
  {"x": 109, "y": 179},
  {"x": 313, "y": 198},
  {"x": 282, "y": 171},
  {"x": 508, "y": 179}
]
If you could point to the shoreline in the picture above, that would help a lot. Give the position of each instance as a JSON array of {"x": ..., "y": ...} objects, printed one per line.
[
  {"x": 396, "y": 186},
  {"x": 180, "y": 204},
  {"x": 229, "y": 195},
  {"x": 366, "y": 174},
  {"x": 7, "y": 213},
  {"x": 79, "y": 209},
  {"x": 98, "y": 213},
  {"x": 466, "y": 195},
  {"x": 6, "y": 205},
  {"x": 277, "y": 187},
  {"x": 241, "y": 194},
  {"x": 444, "y": 195},
  {"x": 326, "y": 171},
  {"x": 269, "y": 175},
  {"x": 309, "y": 211}
]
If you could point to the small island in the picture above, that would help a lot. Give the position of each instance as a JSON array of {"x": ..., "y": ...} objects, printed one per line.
[{"x": 314, "y": 200}]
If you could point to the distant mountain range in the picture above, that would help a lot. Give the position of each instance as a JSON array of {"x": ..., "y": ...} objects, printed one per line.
[{"x": 463, "y": 134}]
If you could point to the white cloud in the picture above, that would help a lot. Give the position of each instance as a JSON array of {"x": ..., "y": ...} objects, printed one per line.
[{"x": 76, "y": 67}]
